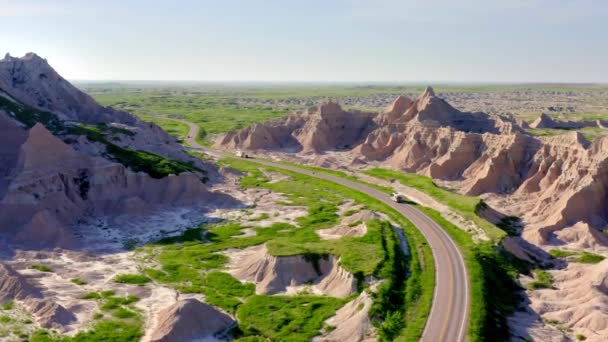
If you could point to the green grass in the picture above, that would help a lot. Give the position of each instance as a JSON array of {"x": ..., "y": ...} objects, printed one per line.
[
  {"x": 340, "y": 174},
  {"x": 543, "y": 280},
  {"x": 112, "y": 302},
  {"x": 111, "y": 331},
  {"x": 416, "y": 292},
  {"x": 190, "y": 264},
  {"x": 91, "y": 295},
  {"x": 466, "y": 206},
  {"x": 41, "y": 268},
  {"x": 139, "y": 161},
  {"x": 350, "y": 212},
  {"x": 580, "y": 257},
  {"x": 136, "y": 279},
  {"x": 78, "y": 281},
  {"x": 123, "y": 313},
  {"x": 173, "y": 128},
  {"x": 492, "y": 270},
  {"x": 589, "y": 258},
  {"x": 221, "y": 108},
  {"x": 261, "y": 217},
  {"x": 9, "y": 305},
  {"x": 30, "y": 116},
  {"x": 557, "y": 253},
  {"x": 154, "y": 165},
  {"x": 293, "y": 318}
]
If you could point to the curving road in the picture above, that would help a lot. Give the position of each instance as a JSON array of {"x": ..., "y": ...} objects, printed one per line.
[{"x": 450, "y": 309}]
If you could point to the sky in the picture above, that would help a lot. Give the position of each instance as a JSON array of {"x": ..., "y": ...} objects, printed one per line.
[{"x": 314, "y": 40}]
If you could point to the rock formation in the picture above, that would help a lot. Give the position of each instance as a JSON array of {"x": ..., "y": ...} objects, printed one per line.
[
  {"x": 552, "y": 182},
  {"x": 546, "y": 121},
  {"x": 50, "y": 186},
  {"x": 189, "y": 320},
  {"x": 321, "y": 128},
  {"x": 354, "y": 225},
  {"x": 288, "y": 274},
  {"x": 31, "y": 83},
  {"x": 54, "y": 172},
  {"x": 13, "y": 286},
  {"x": 557, "y": 185},
  {"x": 351, "y": 322}
]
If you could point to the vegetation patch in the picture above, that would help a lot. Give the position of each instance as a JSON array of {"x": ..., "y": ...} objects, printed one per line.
[
  {"x": 492, "y": 270},
  {"x": 339, "y": 174},
  {"x": 126, "y": 325},
  {"x": 7, "y": 305},
  {"x": 139, "y": 161},
  {"x": 190, "y": 263},
  {"x": 41, "y": 268},
  {"x": 543, "y": 280},
  {"x": 136, "y": 279},
  {"x": 106, "y": 330},
  {"x": 373, "y": 253},
  {"x": 78, "y": 281},
  {"x": 466, "y": 206},
  {"x": 30, "y": 116},
  {"x": 580, "y": 257},
  {"x": 286, "y": 318},
  {"x": 261, "y": 217},
  {"x": 589, "y": 258}
]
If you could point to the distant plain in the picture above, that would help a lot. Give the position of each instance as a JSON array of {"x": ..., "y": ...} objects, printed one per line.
[{"x": 219, "y": 108}]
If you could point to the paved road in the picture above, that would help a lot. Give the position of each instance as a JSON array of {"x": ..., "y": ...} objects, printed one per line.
[{"x": 450, "y": 309}]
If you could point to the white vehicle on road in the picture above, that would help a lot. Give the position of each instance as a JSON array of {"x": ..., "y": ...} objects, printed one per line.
[
  {"x": 242, "y": 154},
  {"x": 397, "y": 197}
]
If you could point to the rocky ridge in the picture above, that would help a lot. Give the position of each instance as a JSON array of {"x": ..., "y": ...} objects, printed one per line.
[
  {"x": 479, "y": 154},
  {"x": 556, "y": 185},
  {"x": 64, "y": 157}
]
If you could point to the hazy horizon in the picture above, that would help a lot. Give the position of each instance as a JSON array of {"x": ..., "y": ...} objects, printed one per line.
[
  {"x": 370, "y": 83},
  {"x": 341, "y": 41}
]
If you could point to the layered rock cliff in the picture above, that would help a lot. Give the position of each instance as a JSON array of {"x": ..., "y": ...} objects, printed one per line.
[
  {"x": 63, "y": 157},
  {"x": 552, "y": 183},
  {"x": 32, "y": 91},
  {"x": 319, "y": 129}
]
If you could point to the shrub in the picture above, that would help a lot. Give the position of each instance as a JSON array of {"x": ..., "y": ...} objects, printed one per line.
[
  {"x": 544, "y": 280},
  {"x": 123, "y": 313},
  {"x": 115, "y": 302},
  {"x": 78, "y": 281},
  {"x": 41, "y": 268},
  {"x": 136, "y": 279},
  {"x": 91, "y": 295},
  {"x": 8, "y": 305},
  {"x": 589, "y": 258},
  {"x": 111, "y": 331}
]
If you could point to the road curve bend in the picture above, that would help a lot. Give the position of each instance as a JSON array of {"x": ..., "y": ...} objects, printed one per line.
[{"x": 450, "y": 309}]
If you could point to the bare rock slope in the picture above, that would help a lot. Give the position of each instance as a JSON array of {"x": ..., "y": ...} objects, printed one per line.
[
  {"x": 63, "y": 157},
  {"x": 319, "y": 129},
  {"x": 190, "y": 320},
  {"x": 48, "y": 314},
  {"x": 290, "y": 274},
  {"x": 51, "y": 186}
]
